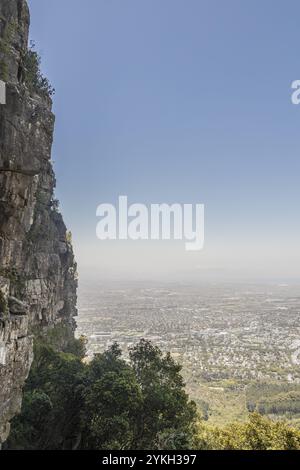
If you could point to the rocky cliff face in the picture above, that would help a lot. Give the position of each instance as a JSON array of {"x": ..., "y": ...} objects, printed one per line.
[{"x": 37, "y": 269}]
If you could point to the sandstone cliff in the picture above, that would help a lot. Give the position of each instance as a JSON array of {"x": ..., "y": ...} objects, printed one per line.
[{"x": 37, "y": 269}]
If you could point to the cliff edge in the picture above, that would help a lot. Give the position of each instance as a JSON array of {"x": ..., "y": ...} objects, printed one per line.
[{"x": 37, "y": 269}]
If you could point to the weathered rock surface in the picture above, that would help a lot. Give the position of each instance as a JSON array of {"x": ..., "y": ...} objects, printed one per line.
[{"x": 37, "y": 277}]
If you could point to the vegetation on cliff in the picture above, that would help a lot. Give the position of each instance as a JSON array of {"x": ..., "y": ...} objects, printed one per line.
[
  {"x": 30, "y": 63},
  {"x": 105, "y": 404},
  {"x": 34, "y": 78}
]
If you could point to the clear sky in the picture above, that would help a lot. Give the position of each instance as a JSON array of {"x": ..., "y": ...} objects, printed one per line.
[{"x": 178, "y": 101}]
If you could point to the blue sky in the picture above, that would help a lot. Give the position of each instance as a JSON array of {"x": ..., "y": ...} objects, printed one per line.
[{"x": 178, "y": 101}]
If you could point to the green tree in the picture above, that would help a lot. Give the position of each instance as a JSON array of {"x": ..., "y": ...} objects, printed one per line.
[
  {"x": 112, "y": 402},
  {"x": 28, "y": 429},
  {"x": 167, "y": 417}
]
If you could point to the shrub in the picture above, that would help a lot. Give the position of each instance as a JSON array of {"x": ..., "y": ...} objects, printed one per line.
[
  {"x": 34, "y": 79},
  {"x": 259, "y": 433}
]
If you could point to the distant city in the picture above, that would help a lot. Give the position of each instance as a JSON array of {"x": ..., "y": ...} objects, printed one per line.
[{"x": 226, "y": 336}]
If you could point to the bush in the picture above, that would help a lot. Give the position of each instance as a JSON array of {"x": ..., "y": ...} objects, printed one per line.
[
  {"x": 34, "y": 79},
  {"x": 258, "y": 433}
]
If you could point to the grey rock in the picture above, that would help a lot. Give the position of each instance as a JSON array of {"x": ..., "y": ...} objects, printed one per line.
[
  {"x": 37, "y": 269},
  {"x": 17, "y": 307}
]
